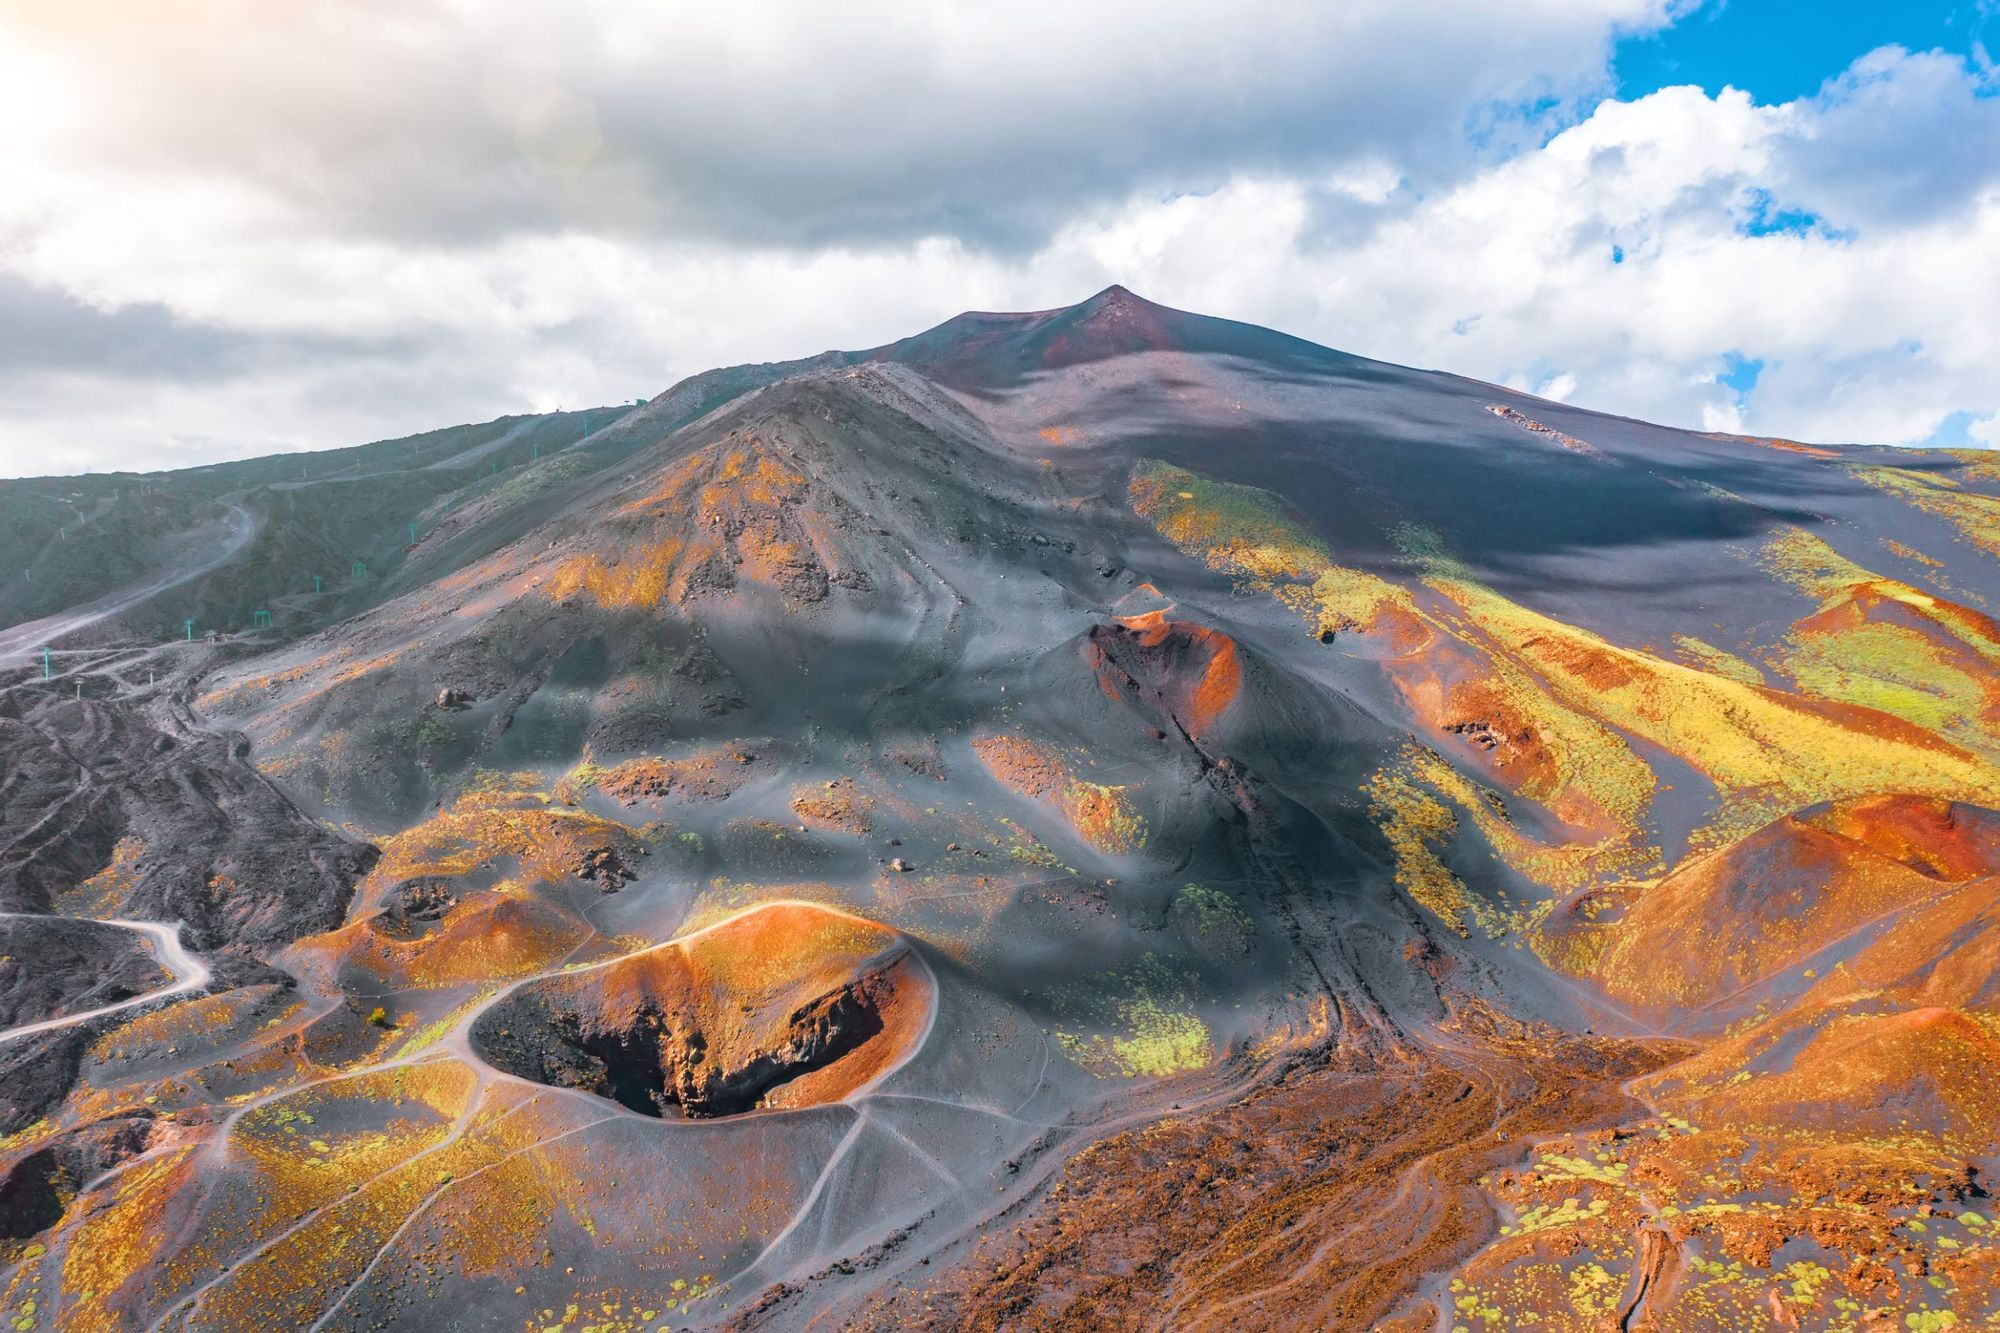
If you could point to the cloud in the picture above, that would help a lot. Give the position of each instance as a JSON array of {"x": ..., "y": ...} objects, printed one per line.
[
  {"x": 1615, "y": 266},
  {"x": 228, "y": 227},
  {"x": 452, "y": 123}
]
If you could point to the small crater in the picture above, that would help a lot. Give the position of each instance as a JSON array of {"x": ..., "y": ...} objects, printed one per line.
[{"x": 787, "y": 1005}]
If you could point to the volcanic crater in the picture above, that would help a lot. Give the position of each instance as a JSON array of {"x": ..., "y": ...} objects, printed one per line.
[{"x": 787, "y": 1005}]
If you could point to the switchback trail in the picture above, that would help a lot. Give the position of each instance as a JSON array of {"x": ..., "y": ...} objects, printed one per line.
[{"x": 189, "y": 972}]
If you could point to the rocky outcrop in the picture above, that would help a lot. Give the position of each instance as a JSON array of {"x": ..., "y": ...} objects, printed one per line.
[
  {"x": 37, "y": 1186},
  {"x": 108, "y": 814}
]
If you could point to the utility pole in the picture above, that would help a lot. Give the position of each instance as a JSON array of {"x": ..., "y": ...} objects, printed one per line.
[
  {"x": 413, "y": 534},
  {"x": 315, "y": 585},
  {"x": 45, "y": 664},
  {"x": 190, "y": 629}
]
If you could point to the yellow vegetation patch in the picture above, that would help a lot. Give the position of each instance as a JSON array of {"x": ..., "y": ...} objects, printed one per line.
[
  {"x": 101, "y": 894},
  {"x": 1705, "y": 656},
  {"x": 1153, "y": 1031},
  {"x": 1418, "y": 826},
  {"x": 1245, "y": 531},
  {"x": 1975, "y": 515},
  {"x": 119, "y": 1244},
  {"x": 1764, "y": 749},
  {"x": 1883, "y": 644}
]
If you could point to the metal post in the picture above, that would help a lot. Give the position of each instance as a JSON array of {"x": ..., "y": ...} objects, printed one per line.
[
  {"x": 45, "y": 664},
  {"x": 413, "y": 534},
  {"x": 315, "y": 585},
  {"x": 190, "y": 629}
]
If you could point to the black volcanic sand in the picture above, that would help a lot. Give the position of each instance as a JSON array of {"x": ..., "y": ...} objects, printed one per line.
[
  {"x": 51, "y": 966},
  {"x": 212, "y": 842}
]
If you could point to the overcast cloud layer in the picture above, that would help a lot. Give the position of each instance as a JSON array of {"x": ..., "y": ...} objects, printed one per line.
[{"x": 229, "y": 226}]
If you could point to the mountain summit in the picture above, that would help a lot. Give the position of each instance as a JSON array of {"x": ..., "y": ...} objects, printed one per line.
[{"x": 1071, "y": 819}]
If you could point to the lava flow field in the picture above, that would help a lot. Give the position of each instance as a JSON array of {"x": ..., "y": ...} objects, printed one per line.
[{"x": 1094, "y": 819}]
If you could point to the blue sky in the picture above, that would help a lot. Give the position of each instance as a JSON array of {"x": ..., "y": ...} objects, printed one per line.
[
  {"x": 1778, "y": 50},
  {"x": 1782, "y": 50},
  {"x": 1768, "y": 216}
]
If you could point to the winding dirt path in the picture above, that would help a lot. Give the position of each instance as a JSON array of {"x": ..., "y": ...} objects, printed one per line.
[
  {"x": 27, "y": 638},
  {"x": 188, "y": 971}
]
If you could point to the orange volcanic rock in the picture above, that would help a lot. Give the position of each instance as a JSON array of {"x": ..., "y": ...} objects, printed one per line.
[
  {"x": 736, "y": 511},
  {"x": 1454, "y": 689},
  {"x": 1197, "y": 670},
  {"x": 1946, "y": 954},
  {"x": 709, "y": 775},
  {"x": 1929, "y": 1071},
  {"x": 483, "y": 936},
  {"x": 1101, "y": 814},
  {"x": 1945, "y": 840},
  {"x": 1725, "y": 921},
  {"x": 786, "y": 1005},
  {"x": 835, "y": 807},
  {"x": 1773, "y": 442}
]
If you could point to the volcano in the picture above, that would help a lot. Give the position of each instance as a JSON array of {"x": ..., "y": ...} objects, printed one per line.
[{"x": 1096, "y": 818}]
